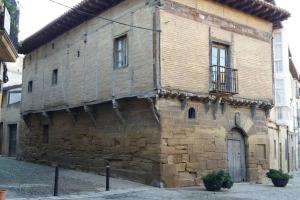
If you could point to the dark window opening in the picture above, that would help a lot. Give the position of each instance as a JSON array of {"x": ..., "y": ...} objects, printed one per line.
[
  {"x": 29, "y": 87},
  {"x": 78, "y": 53},
  {"x": 52, "y": 45},
  {"x": 120, "y": 52},
  {"x": 192, "y": 113},
  {"x": 54, "y": 77},
  {"x": 45, "y": 134}
]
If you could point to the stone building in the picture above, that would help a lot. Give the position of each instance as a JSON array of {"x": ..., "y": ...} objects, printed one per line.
[
  {"x": 11, "y": 109},
  {"x": 9, "y": 20},
  {"x": 165, "y": 90}
]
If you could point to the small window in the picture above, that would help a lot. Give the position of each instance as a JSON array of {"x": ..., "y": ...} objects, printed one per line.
[
  {"x": 78, "y": 54},
  {"x": 45, "y": 134},
  {"x": 120, "y": 52},
  {"x": 192, "y": 113},
  {"x": 54, "y": 77},
  {"x": 14, "y": 97},
  {"x": 29, "y": 87},
  {"x": 52, "y": 46}
]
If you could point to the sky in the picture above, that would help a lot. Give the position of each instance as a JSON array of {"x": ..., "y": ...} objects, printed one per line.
[{"x": 35, "y": 14}]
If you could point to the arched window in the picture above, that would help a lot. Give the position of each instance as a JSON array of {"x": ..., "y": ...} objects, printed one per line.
[{"x": 192, "y": 113}]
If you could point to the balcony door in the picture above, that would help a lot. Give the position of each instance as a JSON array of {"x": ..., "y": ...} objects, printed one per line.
[{"x": 220, "y": 69}]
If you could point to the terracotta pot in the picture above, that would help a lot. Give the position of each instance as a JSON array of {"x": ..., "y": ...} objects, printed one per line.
[{"x": 2, "y": 194}]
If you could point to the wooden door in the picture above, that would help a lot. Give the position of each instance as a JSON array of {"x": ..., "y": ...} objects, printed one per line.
[
  {"x": 12, "y": 139},
  {"x": 236, "y": 156}
]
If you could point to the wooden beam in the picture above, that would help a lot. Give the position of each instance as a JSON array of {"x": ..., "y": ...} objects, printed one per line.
[
  {"x": 117, "y": 111},
  {"x": 91, "y": 112}
]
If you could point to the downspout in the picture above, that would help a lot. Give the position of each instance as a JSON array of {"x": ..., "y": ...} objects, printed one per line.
[
  {"x": 156, "y": 48},
  {"x": 288, "y": 149}
]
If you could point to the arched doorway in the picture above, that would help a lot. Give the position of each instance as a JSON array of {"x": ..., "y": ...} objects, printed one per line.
[{"x": 236, "y": 155}]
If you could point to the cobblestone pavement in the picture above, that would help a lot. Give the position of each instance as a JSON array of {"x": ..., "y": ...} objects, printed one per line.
[{"x": 35, "y": 182}]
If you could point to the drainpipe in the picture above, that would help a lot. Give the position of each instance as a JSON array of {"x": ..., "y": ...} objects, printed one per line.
[{"x": 288, "y": 149}]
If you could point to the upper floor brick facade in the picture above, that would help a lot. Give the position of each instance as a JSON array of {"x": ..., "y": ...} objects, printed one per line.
[{"x": 195, "y": 46}]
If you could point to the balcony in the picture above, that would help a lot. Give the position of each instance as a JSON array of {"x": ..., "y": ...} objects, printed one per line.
[
  {"x": 8, "y": 35},
  {"x": 223, "y": 80}
]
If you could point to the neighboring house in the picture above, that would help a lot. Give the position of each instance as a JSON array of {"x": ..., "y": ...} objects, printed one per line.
[
  {"x": 165, "y": 90},
  {"x": 295, "y": 116},
  {"x": 10, "y": 109},
  {"x": 10, "y": 118},
  {"x": 9, "y": 20},
  {"x": 283, "y": 126}
]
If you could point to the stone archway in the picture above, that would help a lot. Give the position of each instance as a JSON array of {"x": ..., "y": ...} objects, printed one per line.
[{"x": 236, "y": 155}]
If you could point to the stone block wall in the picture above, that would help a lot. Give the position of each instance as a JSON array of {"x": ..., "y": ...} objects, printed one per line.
[
  {"x": 191, "y": 148},
  {"x": 134, "y": 147}
]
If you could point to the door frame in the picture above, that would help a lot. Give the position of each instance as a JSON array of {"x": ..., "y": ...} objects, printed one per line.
[
  {"x": 8, "y": 139},
  {"x": 245, "y": 142}
]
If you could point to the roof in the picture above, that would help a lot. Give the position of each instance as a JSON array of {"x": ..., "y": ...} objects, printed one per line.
[
  {"x": 292, "y": 67},
  {"x": 87, "y": 9},
  {"x": 19, "y": 86}
]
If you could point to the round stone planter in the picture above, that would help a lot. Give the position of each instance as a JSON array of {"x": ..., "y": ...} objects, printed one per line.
[
  {"x": 212, "y": 186},
  {"x": 2, "y": 194},
  {"x": 280, "y": 182}
]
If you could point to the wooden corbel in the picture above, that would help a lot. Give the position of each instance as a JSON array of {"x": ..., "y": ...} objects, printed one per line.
[
  {"x": 253, "y": 108},
  {"x": 47, "y": 117},
  {"x": 26, "y": 119},
  {"x": 154, "y": 110},
  {"x": 116, "y": 107},
  {"x": 72, "y": 115},
  {"x": 90, "y": 111}
]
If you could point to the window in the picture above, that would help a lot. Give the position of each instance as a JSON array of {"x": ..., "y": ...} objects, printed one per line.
[
  {"x": 120, "y": 52},
  {"x": 275, "y": 149},
  {"x": 278, "y": 37},
  {"x": 279, "y": 113},
  {"x": 218, "y": 60},
  {"x": 279, "y": 92},
  {"x": 14, "y": 96},
  {"x": 54, "y": 77},
  {"x": 286, "y": 150},
  {"x": 29, "y": 87},
  {"x": 219, "y": 55},
  {"x": 192, "y": 113},
  {"x": 278, "y": 66},
  {"x": 45, "y": 134}
]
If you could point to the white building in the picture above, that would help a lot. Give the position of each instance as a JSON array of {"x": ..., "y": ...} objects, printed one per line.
[{"x": 283, "y": 127}]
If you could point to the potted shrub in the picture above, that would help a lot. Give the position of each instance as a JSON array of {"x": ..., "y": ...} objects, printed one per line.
[
  {"x": 214, "y": 181},
  {"x": 279, "y": 179},
  {"x": 2, "y": 194}
]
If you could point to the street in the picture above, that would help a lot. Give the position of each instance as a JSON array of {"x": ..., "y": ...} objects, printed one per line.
[{"x": 31, "y": 181}]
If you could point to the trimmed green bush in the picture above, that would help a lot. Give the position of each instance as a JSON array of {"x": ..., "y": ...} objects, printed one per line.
[
  {"x": 216, "y": 180},
  {"x": 278, "y": 178}
]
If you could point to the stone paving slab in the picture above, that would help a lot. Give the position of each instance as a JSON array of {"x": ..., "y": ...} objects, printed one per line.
[{"x": 27, "y": 181}]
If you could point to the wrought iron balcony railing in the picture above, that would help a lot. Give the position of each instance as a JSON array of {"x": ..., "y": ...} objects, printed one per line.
[{"x": 223, "y": 80}]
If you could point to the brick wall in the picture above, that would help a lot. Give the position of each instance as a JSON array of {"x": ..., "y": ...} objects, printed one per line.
[
  {"x": 185, "y": 47},
  {"x": 90, "y": 77}
]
